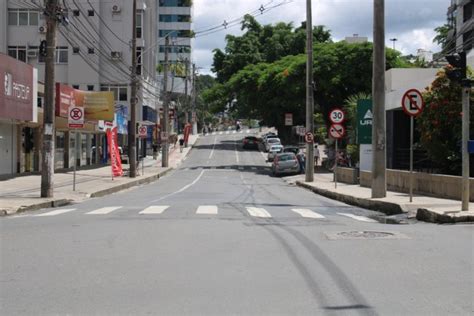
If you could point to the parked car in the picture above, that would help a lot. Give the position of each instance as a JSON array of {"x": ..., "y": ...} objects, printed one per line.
[
  {"x": 250, "y": 142},
  {"x": 285, "y": 163},
  {"x": 274, "y": 150},
  {"x": 270, "y": 142},
  {"x": 291, "y": 149}
]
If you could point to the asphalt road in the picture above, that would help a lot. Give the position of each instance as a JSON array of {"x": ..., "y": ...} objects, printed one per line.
[{"x": 219, "y": 236}]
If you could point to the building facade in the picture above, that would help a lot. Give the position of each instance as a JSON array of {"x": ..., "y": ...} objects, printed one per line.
[
  {"x": 93, "y": 53},
  {"x": 461, "y": 20}
]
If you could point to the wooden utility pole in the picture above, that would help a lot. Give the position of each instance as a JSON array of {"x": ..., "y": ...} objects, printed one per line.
[
  {"x": 132, "y": 137},
  {"x": 309, "y": 176},
  {"x": 194, "y": 116},
  {"x": 466, "y": 96},
  {"x": 379, "y": 184},
  {"x": 186, "y": 99},
  {"x": 166, "y": 117},
  {"x": 47, "y": 171}
]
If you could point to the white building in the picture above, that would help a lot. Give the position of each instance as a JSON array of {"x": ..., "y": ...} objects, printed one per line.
[
  {"x": 355, "y": 39},
  {"x": 93, "y": 53}
]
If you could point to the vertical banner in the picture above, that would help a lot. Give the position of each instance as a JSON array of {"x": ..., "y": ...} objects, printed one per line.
[
  {"x": 187, "y": 131},
  {"x": 115, "y": 161}
]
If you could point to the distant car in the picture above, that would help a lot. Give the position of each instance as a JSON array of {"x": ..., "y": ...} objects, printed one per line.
[
  {"x": 270, "y": 142},
  {"x": 250, "y": 142},
  {"x": 268, "y": 135},
  {"x": 274, "y": 150},
  {"x": 285, "y": 163},
  {"x": 291, "y": 149}
]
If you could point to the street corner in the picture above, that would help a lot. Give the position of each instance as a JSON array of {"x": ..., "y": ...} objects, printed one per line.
[{"x": 444, "y": 217}]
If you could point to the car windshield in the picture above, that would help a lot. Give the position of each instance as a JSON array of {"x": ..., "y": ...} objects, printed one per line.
[
  {"x": 273, "y": 140},
  {"x": 286, "y": 157}
]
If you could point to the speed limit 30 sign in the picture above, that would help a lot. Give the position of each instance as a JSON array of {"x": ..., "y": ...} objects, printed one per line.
[{"x": 336, "y": 116}]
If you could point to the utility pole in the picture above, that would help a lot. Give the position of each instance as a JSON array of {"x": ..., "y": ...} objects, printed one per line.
[
  {"x": 194, "y": 115},
  {"x": 379, "y": 184},
  {"x": 309, "y": 176},
  {"x": 47, "y": 170},
  {"x": 166, "y": 117},
  {"x": 186, "y": 103},
  {"x": 466, "y": 95},
  {"x": 132, "y": 137}
]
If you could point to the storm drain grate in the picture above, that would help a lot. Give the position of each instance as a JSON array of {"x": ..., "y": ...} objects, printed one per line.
[{"x": 365, "y": 235}]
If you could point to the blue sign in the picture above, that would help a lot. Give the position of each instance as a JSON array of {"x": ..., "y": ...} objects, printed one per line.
[
  {"x": 121, "y": 118},
  {"x": 470, "y": 146}
]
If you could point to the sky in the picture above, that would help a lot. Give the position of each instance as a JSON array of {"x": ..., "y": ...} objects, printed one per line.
[{"x": 411, "y": 22}]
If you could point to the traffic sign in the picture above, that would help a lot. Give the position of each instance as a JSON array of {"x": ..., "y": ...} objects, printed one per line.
[
  {"x": 336, "y": 116},
  {"x": 288, "y": 119},
  {"x": 337, "y": 131},
  {"x": 142, "y": 131},
  {"x": 75, "y": 117},
  {"x": 412, "y": 102},
  {"x": 309, "y": 137}
]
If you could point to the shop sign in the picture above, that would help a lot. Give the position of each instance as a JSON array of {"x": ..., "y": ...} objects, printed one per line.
[
  {"x": 364, "y": 121},
  {"x": 18, "y": 89}
]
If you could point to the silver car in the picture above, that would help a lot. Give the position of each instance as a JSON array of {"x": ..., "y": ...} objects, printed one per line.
[
  {"x": 274, "y": 150},
  {"x": 285, "y": 163}
]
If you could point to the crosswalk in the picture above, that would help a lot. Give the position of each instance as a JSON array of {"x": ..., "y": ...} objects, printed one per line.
[
  {"x": 210, "y": 210},
  {"x": 228, "y": 132}
]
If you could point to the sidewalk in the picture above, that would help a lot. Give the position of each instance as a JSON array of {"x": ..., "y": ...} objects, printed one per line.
[
  {"x": 424, "y": 208},
  {"x": 23, "y": 193}
]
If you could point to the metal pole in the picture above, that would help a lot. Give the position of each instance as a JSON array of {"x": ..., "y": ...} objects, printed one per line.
[
  {"x": 47, "y": 170},
  {"x": 465, "y": 154},
  {"x": 379, "y": 184},
  {"x": 411, "y": 157},
  {"x": 335, "y": 168},
  {"x": 194, "y": 116},
  {"x": 132, "y": 137},
  {"x": 309, "y": 176},
  {"x": 75, "y": 162},
  {"x": 165, "y": 127}
]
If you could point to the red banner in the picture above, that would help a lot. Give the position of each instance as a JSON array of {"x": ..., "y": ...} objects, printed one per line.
[
  {"x": 114, "y": 152},
  {"x": 187, "y": 131}
]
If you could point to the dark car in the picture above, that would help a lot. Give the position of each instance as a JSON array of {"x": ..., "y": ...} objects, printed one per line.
[{"x": 250, "y": 142}]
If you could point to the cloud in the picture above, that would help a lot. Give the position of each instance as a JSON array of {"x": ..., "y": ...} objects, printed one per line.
[{"x": 410, "y": 21}]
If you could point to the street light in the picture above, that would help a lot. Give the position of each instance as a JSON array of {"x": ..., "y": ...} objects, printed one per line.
[{"x": 393, "y": 40}]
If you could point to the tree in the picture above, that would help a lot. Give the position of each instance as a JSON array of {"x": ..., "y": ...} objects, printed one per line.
[
  {"x": 441, "y": 37},
  {"x": 440, "y": 124}
]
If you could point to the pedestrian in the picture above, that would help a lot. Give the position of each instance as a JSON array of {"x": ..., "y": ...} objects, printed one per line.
[
  {"x": 316, "y": 155},
  {"x": 301, "y": 161},
  {"x": 181, "y": 144}
]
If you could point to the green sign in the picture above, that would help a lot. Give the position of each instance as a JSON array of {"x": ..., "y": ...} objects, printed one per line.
[{"x": 364, "y": 121}]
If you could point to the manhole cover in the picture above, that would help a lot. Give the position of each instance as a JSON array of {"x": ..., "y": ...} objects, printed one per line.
[{"x": 365, "y": 235}]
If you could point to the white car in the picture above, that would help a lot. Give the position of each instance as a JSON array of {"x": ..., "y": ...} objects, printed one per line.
[
  {"x": 274, "y": 150},
  {"x": 270, "y": 142}
]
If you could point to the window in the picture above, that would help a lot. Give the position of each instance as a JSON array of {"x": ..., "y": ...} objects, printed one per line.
[
  {"x": 22, "y": 17},
  {"x": 120, "y": 91},
  {"x": 76, "y": 12},
  {"x": 17, "y": 52},
  {"x": 177, "y": 49},
  {"x": 61, "y": 56},
  {"x": 467, "y": 40},
  {"x": 90, "y": 87},
  {"x": 76, "y": 50},
  {"x": 467, "y": 12},
  {"x": 75, "y": 86},
  {"x": 175, "y": 3},
  {"x": 139, "y": 60},
  {"x": 176, "y": 33},
  {"x": 139, "y": 22},
  {"x": 90, "y": 50},
  {"x": 174, "y": 18},
  {"x": 90, "y": 12}
]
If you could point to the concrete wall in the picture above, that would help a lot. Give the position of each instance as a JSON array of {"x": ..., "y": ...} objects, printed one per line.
[
  {"x": 347, "y": 175},
  {"x": 441, "y": 186}
]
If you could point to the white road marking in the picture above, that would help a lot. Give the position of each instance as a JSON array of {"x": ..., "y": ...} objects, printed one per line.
[
  {"x": 236, "y": 154},
  {"x": 233, "y": 132},
  {"x": 258, "y": 212},
  {"x": 241, "y": 168},
  {"x": 254, "y": 168},
  {"x": 57, "y": 212},
  {"x": 247, "y": 131},
  {"x": 213, "y": 147},
  {"x": 104, "y": 210},
  {"x": 214, "y": 133},
  {"x": 220, "y": 133},
  {"x": 307, "y": 213},
  {"x": 241, "y": 132},
  {"x": 155, "y": 209},
  {"x": 263, "y": 155},
  {"x": 182, "y": 189},
  {"x": 207, "y": 209},
  {"x": 227, "y": 133},
  {"x": 359, "y": 218}
]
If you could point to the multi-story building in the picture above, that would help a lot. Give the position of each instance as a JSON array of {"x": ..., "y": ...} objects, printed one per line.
[
  {"x": 93, "y": 53},
  {"x": 175, "y": 22},
  {"x": 461, "y": 20}
]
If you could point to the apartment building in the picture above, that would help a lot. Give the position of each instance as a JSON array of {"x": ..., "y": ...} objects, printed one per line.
[
  {"x": 461, "y": 19},
  {"x": 93, "y": 53}
]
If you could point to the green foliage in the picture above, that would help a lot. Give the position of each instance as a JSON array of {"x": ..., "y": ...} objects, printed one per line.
[
  {"x": 440, "y": 124},
  {"x": 441, "y": 37}
]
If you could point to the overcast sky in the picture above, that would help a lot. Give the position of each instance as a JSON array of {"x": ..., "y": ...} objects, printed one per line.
[{"x": 410, "y": 21}]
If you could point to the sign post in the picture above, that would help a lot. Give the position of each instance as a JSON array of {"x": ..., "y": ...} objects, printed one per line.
[
  {"x": 412, "y": 104},
  {"x": 75, "y": 120},
  {"x": 336, "y": 131}
]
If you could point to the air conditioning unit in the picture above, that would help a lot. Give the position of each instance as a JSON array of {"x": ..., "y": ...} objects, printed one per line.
[
  {"x": 116, "y": 9},
  {"x": 42, "y": 29},
  {"x": 32, "y": 53},
  {"x": 116, "y": 55}
]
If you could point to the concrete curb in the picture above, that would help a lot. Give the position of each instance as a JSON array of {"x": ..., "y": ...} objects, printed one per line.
[
  {"x": 427, "y": 215},
  {"x": 375, "y": 205},
  {"x": 34, "y": 207}
]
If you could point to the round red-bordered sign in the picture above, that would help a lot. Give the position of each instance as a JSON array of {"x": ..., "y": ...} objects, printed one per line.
[
  {"x": 337, "y": 116},
  {"x": 309, "y": 137},
  {"x": 412, "y": 102},
  {"x": 337, "y": 131},
  {"x": 76, "y": 114}
]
